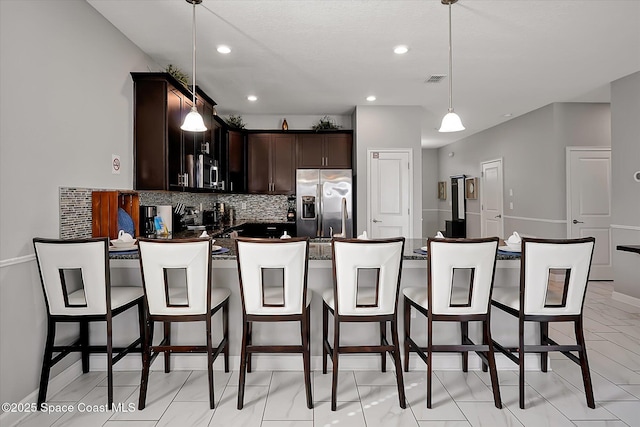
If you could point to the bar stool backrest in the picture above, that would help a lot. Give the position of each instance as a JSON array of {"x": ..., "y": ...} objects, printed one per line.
[
  {"x": 176, "y": 275},
  {"x": 381, "y": 261},
  {"x": 74, "y": 275},
  {"x": 472, "y": 260},
  {"x": 273, "y": 275},
  {"x": 554, "y": 275}
]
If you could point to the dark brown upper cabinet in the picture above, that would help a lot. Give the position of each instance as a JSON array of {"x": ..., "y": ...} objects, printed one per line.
[
  {"x": 325, "y": 150},
  {"x": 271, "y": 163},
  {"x": 165, "y": 155}
]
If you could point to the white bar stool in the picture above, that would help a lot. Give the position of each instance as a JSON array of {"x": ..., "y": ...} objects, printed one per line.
[
  {"x": 444, "y": 299},
  {"x": 273, "y": 288},
  {"x": 176, "y": 275},
  {"x": 77, "y": 288},
  {"x": 366, "y": 280},
  {"x": 553, "y": 284}
]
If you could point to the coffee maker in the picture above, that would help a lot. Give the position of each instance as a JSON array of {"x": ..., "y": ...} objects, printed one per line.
[{"x": 147, "y": 216}]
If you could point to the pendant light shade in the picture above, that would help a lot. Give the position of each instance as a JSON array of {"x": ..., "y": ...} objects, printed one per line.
[
  {"x": 451, "y": 121},
  {"x": 193, "y": 122}
]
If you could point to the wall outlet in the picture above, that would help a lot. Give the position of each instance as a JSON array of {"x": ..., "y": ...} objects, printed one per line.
[
  {"x": 511, "y": 205},
  {"x": 511, "y": 192},
  {"x": 243, "y": 205}
]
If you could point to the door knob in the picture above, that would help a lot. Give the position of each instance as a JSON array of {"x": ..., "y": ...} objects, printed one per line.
[
  {"x": 575, "y": 221},
  {"x": 498, "y": 216},
  {"x": 375, "y": 220}
]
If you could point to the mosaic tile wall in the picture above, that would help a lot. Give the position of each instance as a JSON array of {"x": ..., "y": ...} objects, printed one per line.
[{"x": 75, "y": 207}]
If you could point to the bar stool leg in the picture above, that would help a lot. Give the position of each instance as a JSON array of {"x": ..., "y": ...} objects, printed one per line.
[
  {"x": 584, "y": 364},
  {"x": 334, "y": 361},
  {"x": 146, "y": 363},
  {"x": 464, "y": 330},
  {"x": 243, "y": 363},
  {"x": 249, "y": 342},
  {"x": 167, "y": 341},
  {"x": 407, "y": 332},
  {"x": 84, "y": 343},
  {"x": 210, "y": 363},
  {"x": 495, "y": 384},
  {"x": 398, "y": 364},
  {"x": 544, "y": 334},
  {"x": 521, "y": 363},
  {"x": 429, "y": 362},
  {"x": 46, "y": 362},
  {"x": 325, "y": 335},
  {"x": 306, "y": 356},
  {"x": 225, "y": 333},
  {"x": 141, "y": 325},
  {"x": 383, "y": 340}
]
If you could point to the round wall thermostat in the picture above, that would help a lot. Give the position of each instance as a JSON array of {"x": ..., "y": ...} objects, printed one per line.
[{"x": 636, "y": 176}]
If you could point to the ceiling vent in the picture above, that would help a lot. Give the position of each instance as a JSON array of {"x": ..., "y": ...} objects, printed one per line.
[{"x": 435, "y": 78}]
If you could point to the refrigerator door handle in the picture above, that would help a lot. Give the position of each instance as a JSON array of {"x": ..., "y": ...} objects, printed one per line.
[{"x": 319, "y": 231}]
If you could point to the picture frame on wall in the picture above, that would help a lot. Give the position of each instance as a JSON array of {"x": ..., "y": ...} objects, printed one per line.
[
  {"x": 471, "y": 188},
  {"x": 442, "y": 190}
]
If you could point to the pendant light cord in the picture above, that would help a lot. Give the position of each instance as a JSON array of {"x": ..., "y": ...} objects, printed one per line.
[
  {"x": 193, "y": 88},
  {"x": 450, "y": 65}
]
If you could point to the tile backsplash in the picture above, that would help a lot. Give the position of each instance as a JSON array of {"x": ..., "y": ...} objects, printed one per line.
[{"x": 75, "y": 206}]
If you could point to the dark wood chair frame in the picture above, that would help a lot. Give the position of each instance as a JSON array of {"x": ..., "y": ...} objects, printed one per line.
[
  {"x": 152, "y": 351},
  {"x": 334, "y": 351},
  {"x": 248, "y": 348},
  {"x": 547, "y": 344},
  {"x": 485, "y": 350},
  {"x": 114, "y": 354}
]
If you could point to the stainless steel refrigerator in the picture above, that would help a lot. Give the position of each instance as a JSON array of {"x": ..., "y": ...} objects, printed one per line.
[{"x": 324, "y": 202}]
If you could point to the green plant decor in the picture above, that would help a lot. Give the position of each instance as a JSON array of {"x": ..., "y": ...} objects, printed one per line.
[
  {"x": 178, "y": 74},
  {"x": 325, "y": 123},
  {"x": 235, "y": 121}
]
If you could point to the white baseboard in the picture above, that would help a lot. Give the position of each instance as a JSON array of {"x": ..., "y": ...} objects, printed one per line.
[
  {"x": 617, "y": 296},
  {"x": 56, "y": 384}
]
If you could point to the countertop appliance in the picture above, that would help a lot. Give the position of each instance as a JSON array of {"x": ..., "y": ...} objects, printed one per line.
[
  {"x": 147, "y": 226},
  {"x": 324, "y": 204}
]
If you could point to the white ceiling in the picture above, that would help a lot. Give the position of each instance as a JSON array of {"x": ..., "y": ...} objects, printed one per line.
[{"x": 317, "y": 57}]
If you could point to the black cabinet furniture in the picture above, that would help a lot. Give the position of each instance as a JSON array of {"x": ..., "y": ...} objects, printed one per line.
[{"x": 457, "y": 227}]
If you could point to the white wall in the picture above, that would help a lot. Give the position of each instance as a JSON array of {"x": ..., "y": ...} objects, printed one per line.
[
  {"x": 66, "y": 103},
  {"x": 532, "y": 148},
  {"x": 385, "y": 127},
  {"x": 625, "y": 160},
  {"x": 430, "y": 173}
]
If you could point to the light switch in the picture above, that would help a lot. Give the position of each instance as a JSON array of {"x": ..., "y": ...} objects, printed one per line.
[
  {"x": 511, "y": 192},
  {"x": 511, "y": 205}
]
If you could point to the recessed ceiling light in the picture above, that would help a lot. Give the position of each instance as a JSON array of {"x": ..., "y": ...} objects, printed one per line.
[
  {"x": 252, "y": 98},
  {"x": 223, "y": 49},
  {"x": 371, "y": 98},
  {"x": 507, "y": 115},
  {"x": 402, "y": 49}
]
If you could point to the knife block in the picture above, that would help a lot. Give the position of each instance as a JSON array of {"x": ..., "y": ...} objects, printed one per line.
[{"x": 104, "y": 211}]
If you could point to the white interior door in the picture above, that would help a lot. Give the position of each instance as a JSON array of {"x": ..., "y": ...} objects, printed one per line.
[
  {"x": 589, "y": 204},
  {"x": 389, "y": 189},
  {"x": 491, "y": 199}
]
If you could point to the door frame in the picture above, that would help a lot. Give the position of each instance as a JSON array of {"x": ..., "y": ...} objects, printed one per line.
[
  {"x": 482, "y": 226},
  {"x": 569, "y": 150},
  {"x": 369, "y": 158}
]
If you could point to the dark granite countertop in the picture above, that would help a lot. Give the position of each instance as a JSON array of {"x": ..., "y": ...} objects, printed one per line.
[{"x": 319, "y": 249}]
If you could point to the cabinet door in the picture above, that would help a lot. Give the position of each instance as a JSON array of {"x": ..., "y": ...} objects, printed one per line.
[
  {"x": 283, "y": 165},
  {"x": 338, "y": 151},
  {"x": 259, "y": 163},
  {"x": 175, "y": 108},
  {"x": 237, "y": 176},
  {"x": 310, "y": 151}
]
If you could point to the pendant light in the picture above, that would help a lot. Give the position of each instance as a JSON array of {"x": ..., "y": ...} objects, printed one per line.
[
  {"x": 451, "y": 121},
  {"x": 193, "y": 122}
]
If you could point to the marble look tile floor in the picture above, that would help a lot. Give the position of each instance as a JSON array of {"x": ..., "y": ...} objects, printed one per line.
[{"x": 369, "y": 398}]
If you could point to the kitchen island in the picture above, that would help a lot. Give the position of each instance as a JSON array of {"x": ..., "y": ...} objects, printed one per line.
[{"x": 125, "y": 269}]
